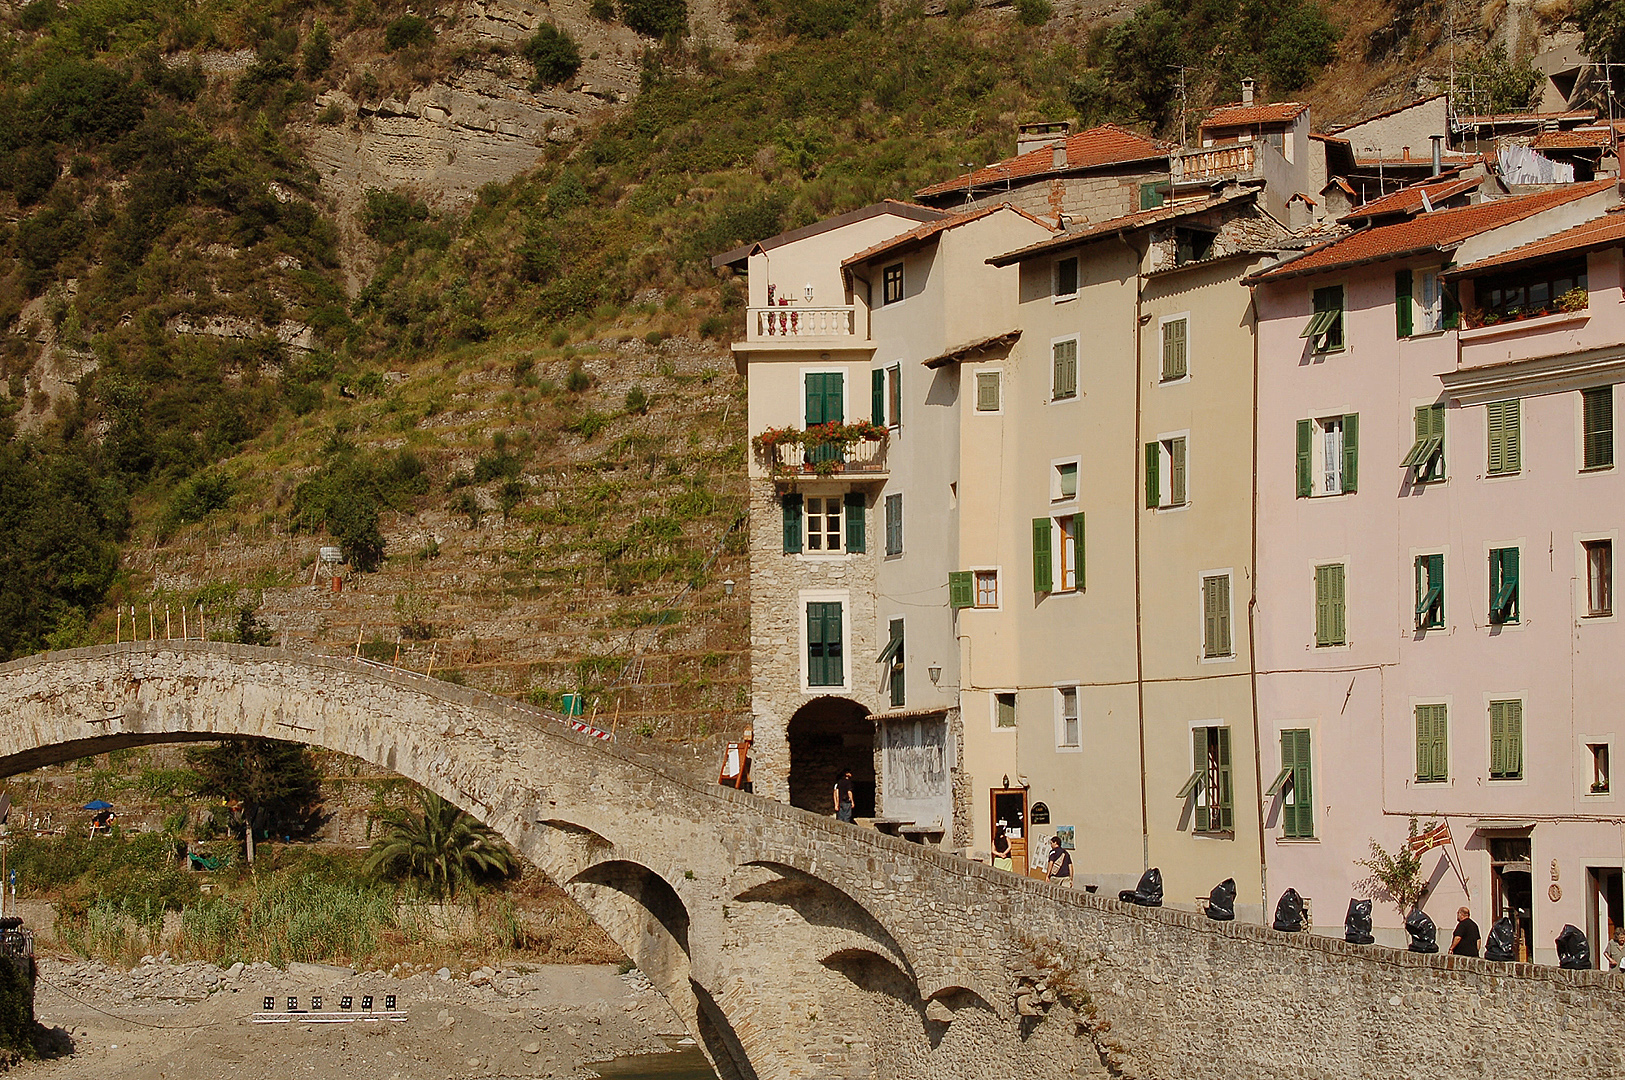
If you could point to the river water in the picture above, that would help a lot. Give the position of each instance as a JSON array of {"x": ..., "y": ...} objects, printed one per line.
[{"x": 685, "y": 1062}]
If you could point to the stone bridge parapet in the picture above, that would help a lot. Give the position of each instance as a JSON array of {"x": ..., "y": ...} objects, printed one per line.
[{"x": 797, "y": 946}]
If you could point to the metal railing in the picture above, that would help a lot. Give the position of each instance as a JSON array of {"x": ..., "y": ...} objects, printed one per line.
[{"x": 793, "y": 321}]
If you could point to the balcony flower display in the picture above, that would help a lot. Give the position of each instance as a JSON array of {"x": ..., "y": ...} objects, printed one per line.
[{"x": 824, "y": 447}]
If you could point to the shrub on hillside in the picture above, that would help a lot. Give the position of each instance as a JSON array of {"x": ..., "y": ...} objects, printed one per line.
[
  {"x": 553, "y": 53},
  {"x": 390, "y": 217},
  {"x": 195, "y": 499},
  {"x": 81, "y": 101},
  {"x": 656, "y": 18},
  {"x": 828, "y": 18},
  {"x": 318, "y": 53},
  {"x": 406, "y": 31},
  {"x": 1034, "y": 12}
]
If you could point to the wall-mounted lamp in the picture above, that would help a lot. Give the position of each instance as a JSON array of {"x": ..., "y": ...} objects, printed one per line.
[
  {"x": 1006, "y": 780},
  {"x": 935, "y": 671},
  {"x": 808, "y": 292},
  {"x": 728, "y": 587}
]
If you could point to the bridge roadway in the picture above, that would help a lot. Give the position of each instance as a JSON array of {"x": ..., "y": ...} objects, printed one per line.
[{"x": 797, "y": 946}]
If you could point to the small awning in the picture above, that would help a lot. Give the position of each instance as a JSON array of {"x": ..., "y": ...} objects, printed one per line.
[
  {"x": 1423, "y": 452},
  {"x": 1320, "y": 324},
  {"x": 1191, "y": 785},
  {"x": 965, "y": 352},
  {"x": 889, "y": 653},
  {"x": 1279, "y": 784},
  {"x": 1502, "y": 825},
  {"x": 909, "y": 714}
]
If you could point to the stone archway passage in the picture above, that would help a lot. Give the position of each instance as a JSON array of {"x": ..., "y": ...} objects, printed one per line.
[
  {"x": 797, "y": 946},
  {"x": 828, "y": 736}
]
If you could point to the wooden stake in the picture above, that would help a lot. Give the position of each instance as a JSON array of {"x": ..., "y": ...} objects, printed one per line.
[
  {"x": 118, "y": 623},
  {"x": 184, "y": 635},
  {"x": 168, "y": 633},
  {"x": 152, "y": 627},
  {"x": 359, "y": 630}
]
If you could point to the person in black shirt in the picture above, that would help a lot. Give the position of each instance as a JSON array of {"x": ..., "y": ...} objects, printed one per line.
[
  {"x": 1465, "y": 940},
  {"x": 844, "y": 804},
  {"x": 1059, "y": 867}
]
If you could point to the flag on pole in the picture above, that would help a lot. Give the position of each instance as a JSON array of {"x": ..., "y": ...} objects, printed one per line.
[{"x": 1428, "y": 839}]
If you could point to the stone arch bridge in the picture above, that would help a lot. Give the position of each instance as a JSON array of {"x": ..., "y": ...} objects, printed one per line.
[{"x": 796, "y": 946}]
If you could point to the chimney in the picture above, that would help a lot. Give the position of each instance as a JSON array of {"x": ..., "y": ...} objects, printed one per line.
[
  {"x": 1246, "y": 91},
  {"x": 1438, "y": 154},
  {"x": 1030, "y": 137},
  {"x": 1060, "y": 156},
  {"x": 1405, "y": 152}
]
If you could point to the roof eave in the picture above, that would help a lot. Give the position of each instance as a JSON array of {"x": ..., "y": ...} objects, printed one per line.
[{"x": 1282, "y": 273}]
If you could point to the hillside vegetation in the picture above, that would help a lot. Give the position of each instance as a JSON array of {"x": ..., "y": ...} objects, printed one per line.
[{"x": 520, "y": 422}]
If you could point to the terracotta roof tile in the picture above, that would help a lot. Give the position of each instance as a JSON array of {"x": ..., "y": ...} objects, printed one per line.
[
  {"x": 1601, "y": 232},
  {"x": 1107, "y": 144},
  {"x": 1238, "y": 115},
  {"x": 1437, "y": 231},
  {"x": 1409, "y": 200},
  {"x": 1527, "y": 118},
  {"x": 1128, "y": 221},
  {"x": 1573, "y": 140},
  {"x": 921, "y": 233}
]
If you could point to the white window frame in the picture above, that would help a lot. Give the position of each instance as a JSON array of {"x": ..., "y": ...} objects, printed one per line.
[
  {"x": 807, "y": 550},
  {"x": 1202, "y": 793},
  {"x": 1524, "y": 549},
  {"x": 1201, "y": 616},
  {"x": 993, "y": 709},
  {"x": 1587, "y": 765},
  {"x": 1165, "y": 469},
  {"x": 826, "y": 596},
  {"x": 976, "y": 395},
  {"x": 892, "y": 387},
  {"x": 1056, "y": 295},
  {"x": 1582, "y": 578},
  {"x": 1162, "y": 344},
  {"x": 828, "y": 369},
  {"x": 1077, "y": 390},
  {"x": 1055, "y": 496},
  {"x": 1061, "y": 745},
  {"x": 1057, "y": 558},
  {"x": 975, "y": 590},
  {"x": 1317, "y": 459}
]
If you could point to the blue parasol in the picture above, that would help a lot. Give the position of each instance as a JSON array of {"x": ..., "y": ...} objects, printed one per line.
[{"x": 98, "y": 804}]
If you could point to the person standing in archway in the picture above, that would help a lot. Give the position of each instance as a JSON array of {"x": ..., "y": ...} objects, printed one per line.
[{"x": 844, "y": 804}]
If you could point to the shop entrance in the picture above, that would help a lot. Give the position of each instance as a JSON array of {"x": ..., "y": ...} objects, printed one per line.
[
  {"x": 1605, "y": 906},
  {"x": 1010, "y": 810},
  {"x": 1512, "y": 894}
]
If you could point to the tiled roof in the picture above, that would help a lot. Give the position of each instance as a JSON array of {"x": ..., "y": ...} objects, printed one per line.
[
  {"x": 1238, "y": 115},
  {"x": 1578, "y": 139},
  {"x": 1107, "y": 144},
  {"x": 1605, "y": 231},
  {"x": 1527, "y": 118},
  {"x": 1438, "y": 231},
  {"x": 964, "y": 352},
  {"x": 1129, "y": 221},
  {"x": 1409, "y": 200},
  {"x": 1395, "y": 111},
  {"x": 921, "y": 233},
  {"x": 894, "y": 207},
  {"x": 1422, "y": 160}
]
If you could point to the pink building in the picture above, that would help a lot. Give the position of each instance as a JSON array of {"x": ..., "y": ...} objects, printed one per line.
[{"x": 1437, "y": 505}]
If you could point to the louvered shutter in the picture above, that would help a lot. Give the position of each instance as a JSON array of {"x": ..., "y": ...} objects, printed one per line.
[
  {"x": 1338, "y": 606},
  {"x": 961, "y": 589},
  {"x": 1306, "y": 476},
  {"x": 792, "y": 522},
  {"x": 1174, "y": 362},
  {"x": 1298, "y": 816},
  {"x": 877, "y": 396},
  {"x": 857, "y": 523},
  {"x": 1511, "y": 435},
  {"x": 1513, "y": 754},
  {"x": 1494, "y": 410},
  {"x": 1226, "y": 810},
  {"x": 1598, "y": 420},
  {"x": 815, "y": 398},
  {"x": 894, "y": 395},
  {"x": 1066, "y": 369},
  {"x": 1176, "y": 472},
  {"x": 1351, "y": 453},
  {"x": 1201, "y": 765},
  {"x": 1043, "y": 570},
  {"x": 1077, "y": 546},
  {"x": 1402, "y": 303},
  {"x": 1153, "y": 459}
]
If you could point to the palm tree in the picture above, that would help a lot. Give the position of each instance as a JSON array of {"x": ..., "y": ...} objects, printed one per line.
[{"x": 441, "y": 846}]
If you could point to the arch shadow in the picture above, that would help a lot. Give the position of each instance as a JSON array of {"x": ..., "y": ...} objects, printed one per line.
[{"x": 819, "y": 903}]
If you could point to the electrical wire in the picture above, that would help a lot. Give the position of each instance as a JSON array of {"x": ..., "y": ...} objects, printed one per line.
[{"x": 138, "y": 1023}]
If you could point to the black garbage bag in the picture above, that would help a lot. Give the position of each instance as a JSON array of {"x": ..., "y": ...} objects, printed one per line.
[
  {"x": 1357, "y": 923},
  {"x": 1289, "y": 912},
  {"x": 1572, "y": 951},
  {"x": 1424, "y": 935},
  {"x": 1221, "y": 902},
  {"x": 1501, "y": 944},
  {"x": 1148, "y": 893}
]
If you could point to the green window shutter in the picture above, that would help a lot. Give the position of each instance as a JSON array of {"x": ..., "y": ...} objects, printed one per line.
[
  {"x": 815, "y": 398},
  {"x": 987, "y": 391},
  {"x": 1323, "y": 633},
  {"x": 1429, "y": 591},
  {"x": 1452, "y": 308},
  {"x": 894, "y": 524},
  {"x": 1503, "y": 586},
  {"x": 1402, "y": 303},
  {"x": 1493, "y": 413},
  {"x": 894, "y": 408},
  {"x": 815, "y": 645},
  {"x": 1176, "y": 472},
  {"x": 1210, "y": 616},
  {"x": 1174, "y": 364},
  {"x": 877, "y": 396},
  {"x": 1226, "y": 810},
  {"x": 1597, "y": 406},
  {"x": 1153, "y": 459},
  {"x": 857, "y": 523},
  {"x": 825, "y": 664},
  {"x": 961, "y": 590},
  {"x": 1503, "y": 423},
  {"x": 1201, "y": 768},
  {"x": 792, "y": 522},
  {"x": 1066, "y": 369},
  {"x": 1329, "y": 606},
  {"x": 834, "y": 397},
  {"x": 1514, "y": 739},
  {"x": 1306, "y": 436},
  {"x": 1436, "y": 431},
  {"x": 1432, "y": 743},
  {"x": 1221, "y": 587},
  {"x": 1339, "y": 607},
  {"x": 1498, "y": 740},
  {"x": 1150, "y": 197},
  {"x": 1043, "y": 581},
  {"x": 1351, "y": 453},
  {"x": 1077, "y": 544},
  {"x": 1298, "y": 818},
  {"x": 1512, "y": 434}
]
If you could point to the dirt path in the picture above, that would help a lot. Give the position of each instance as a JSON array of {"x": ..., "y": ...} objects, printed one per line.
[{"x": 192, "y": 1022}]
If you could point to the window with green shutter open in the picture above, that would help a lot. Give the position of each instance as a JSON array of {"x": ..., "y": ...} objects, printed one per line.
[
  {"x": 1426, "y": 455},
  {"x": 1328, "y": 453},
  {"x": 1503, "y": 586},
  {"x": 1064, "y": 373},
  {"x": 1330, "y": 618},
  {"x": 1432, "y": 744},
  {"x": 1429, "y": 592},
  {"x": 1175, "y": 361},
  {"x": 1505, "y": 437},
  {"x": 892, "y": 657},
  {"x": 1210, "y": 781},
  {"x": 1216, "y": 639},
  {"x": 1325, "y": 328},
  {"x": 1165, "y": 470},
  {"x": 961, "y": 590},
  {"x": 1597, "y": 419},
  {"x": 1506, "y": 740},
  {"x": 1295, "y": 784},
  {"x": 825, "y": 658}
]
